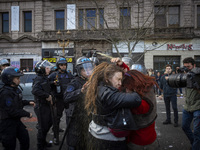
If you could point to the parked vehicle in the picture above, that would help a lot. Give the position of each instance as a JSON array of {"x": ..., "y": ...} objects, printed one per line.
[{"x": 26, "y": 82}]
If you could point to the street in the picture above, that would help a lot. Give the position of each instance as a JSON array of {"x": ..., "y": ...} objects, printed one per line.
[{"x": 169, "y": 137}]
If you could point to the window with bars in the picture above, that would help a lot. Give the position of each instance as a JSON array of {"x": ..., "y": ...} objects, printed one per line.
[
  {"x": 27, "y": 21},
  {"x": 26, "y": 63},
  {"x": 5, "y": 22},
  {"x": 166, "y": 16},
  {"x": 125, "y": 18},
  {"x": 59, "y": 19},
  {"x": 161, "y": 61},
  {"x": 197, "y": 60}
]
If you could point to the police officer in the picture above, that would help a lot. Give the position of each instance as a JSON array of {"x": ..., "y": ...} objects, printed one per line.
[
  {"x": 11, "y": 110},
  {"x": 41, "y": 90},
  {"x": 140, "y": 68},
  {"x": 3, "y": 64},
  {"x": 59, "y": 80},
  {"x": 94, "y": 59},
  {"x": 74, "y": 96}
]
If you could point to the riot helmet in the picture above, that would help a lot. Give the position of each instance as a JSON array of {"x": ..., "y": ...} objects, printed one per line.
[
  {"x": 128, "y": 61},
  {"x": 140, "y": 68},
  {"x": 9, "y": 73},
  {"x": 94, "y": 59},
  {"x": 84, "y": 67},
  {"x": 4, "y": 63},
  {"x": 40, "y": 66},
  {"x": 62, "y": 60}
]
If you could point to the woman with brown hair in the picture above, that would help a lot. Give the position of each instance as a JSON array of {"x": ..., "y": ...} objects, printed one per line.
[
  {"x": 102, "y": 98},
  {"x": 145, "y": 114}
]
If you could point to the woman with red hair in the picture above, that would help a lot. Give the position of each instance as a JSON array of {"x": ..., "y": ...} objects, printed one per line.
[{"x": 145, "y": 114}]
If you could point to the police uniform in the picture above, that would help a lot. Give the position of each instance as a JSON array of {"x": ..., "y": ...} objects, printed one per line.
[
  {"x": 77, "y": 132},
  {"x": 76, "y": 116},
  {"x": 11, "y": 110},
  {"x": 41, "y": 91},
  {"x": 64, "y": 79}
]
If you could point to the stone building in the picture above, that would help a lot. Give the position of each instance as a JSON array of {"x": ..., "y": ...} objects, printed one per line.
[{"x": 152, "y": 32}]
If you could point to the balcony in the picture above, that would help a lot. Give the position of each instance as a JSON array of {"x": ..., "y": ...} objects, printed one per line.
[
  {"x": 118, "y": 34},
  {"x": 182, "y": 33}
]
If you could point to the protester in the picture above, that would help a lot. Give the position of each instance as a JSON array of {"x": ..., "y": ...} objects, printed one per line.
[
  {"x": 152, "y": 74},
  {"x": 158, "y": 78},
  {"x": 191, "y": 111},
  {"x": 59, "y": 81},
  {"x": 169, "y": 94},
  {"x": 77, "y": 119},
  {"x": 41, "y": 90},
  {"x": 145, "y": 114},
  {"x": 11, "y": 111},
  {"x": 102, "y": 98},
  {"x": 27, "y": 69},
  {"x": 149, "y": 71}
]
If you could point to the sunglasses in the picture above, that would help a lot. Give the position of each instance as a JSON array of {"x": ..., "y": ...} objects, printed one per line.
[{"x": 62, "y": 65}]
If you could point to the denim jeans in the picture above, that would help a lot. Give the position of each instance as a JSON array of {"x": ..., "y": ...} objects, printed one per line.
[
  {"x": 180, "y": 90},
  {"x": 194, "y": 137},
  {"x": 173, "y": 100}
]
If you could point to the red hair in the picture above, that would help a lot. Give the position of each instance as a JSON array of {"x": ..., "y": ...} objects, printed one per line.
[{"x": 138, "y": 82}]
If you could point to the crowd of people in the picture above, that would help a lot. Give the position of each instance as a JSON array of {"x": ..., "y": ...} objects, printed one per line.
[{"x": 93, "y": 100}]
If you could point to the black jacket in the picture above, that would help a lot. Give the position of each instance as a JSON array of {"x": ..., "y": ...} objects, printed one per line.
[
  {"x": 11, "y": 103},
  {"x": 167, "y": 90},
  {"x": 41, "y": 88},
  {"x": 110, "y": 99},
  {"x": 73, "y": 91},
  {"x": 64, "y": 79}
]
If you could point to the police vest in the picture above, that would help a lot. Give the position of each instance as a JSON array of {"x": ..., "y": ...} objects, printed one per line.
[
  {"x": 16, "y": 94},
  {"x": 64, "y": 79}
]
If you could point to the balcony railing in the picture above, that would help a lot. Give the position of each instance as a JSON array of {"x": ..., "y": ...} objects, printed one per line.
[{"x": 118, "y": 34}]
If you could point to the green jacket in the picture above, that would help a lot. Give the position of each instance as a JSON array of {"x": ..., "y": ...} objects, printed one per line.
[{"x": 192, "y": 101}]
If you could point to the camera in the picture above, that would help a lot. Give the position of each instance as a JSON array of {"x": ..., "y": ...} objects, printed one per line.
[
  {"x": 183, "y": 70},
  {"x": 185, "y": 78}
]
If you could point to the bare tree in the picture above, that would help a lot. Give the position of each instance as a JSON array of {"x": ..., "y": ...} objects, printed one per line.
[
  {"x": 129, "y": 23},
  {"x": 132, "y": 33}
]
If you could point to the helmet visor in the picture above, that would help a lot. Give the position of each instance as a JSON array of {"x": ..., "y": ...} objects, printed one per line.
[
  {"x": 46, "y": 63},
  {"x": 139, "y": 67},
  {"x": 87, "y": 69}
]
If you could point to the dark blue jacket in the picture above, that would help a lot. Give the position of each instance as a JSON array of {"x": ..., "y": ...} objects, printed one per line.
[
  {"x": 167, "y": 90},
  {"x": 11, "y": 103}
]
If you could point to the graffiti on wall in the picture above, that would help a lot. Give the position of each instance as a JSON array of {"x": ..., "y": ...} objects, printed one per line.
[{"x": 15, "y": 64}]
